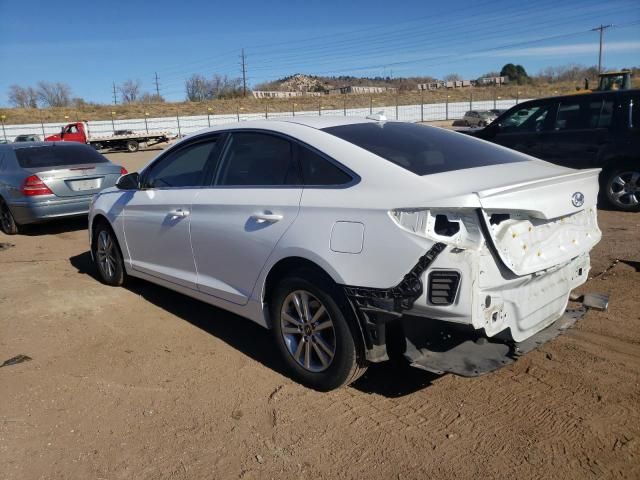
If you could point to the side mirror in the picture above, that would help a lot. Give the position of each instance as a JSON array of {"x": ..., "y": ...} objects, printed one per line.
[{"x": 130, "y": 181}]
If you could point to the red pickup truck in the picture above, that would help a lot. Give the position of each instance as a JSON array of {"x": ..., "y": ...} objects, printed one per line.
[{"x": 121, "y": 139}]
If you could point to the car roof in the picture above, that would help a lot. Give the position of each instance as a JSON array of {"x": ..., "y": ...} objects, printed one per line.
[
  {"x": 284, "y": 124},
  {"x": 321, "y": 122},
  {"x": 16, "y": 146},
  {"x": 581, "y": 94}
]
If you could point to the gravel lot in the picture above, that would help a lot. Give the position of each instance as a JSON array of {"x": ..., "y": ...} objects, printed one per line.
[{"x": 145, "y": 383}]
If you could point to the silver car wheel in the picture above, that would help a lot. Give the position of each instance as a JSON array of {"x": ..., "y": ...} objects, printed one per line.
[
  {"x": 308, "y": 331},
  {"x": 105, "y": 254},
  {"x": 624, "y": 189}
]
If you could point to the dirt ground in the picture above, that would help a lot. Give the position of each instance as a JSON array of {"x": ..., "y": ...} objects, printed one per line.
[{"x": 141, "y": 382}]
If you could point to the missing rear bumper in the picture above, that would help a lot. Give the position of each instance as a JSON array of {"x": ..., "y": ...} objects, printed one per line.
[
  {"x": 474, "y": 355},
  {"x": 375, "y": 307}
]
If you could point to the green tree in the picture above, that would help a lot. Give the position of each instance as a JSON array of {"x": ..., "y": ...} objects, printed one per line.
[{"x": 516, "y": 73}]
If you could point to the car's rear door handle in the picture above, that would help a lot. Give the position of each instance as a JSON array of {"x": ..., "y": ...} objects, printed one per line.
[
  {"x": 266, "y": 217},
  {"x": 179, "y": 212}
]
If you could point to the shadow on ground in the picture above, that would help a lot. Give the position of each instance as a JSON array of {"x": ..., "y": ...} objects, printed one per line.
[
  {"x": 55, "y": 227},
  {"x": 391, "y": 379}
]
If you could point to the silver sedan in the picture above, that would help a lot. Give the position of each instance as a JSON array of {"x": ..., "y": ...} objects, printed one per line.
[
  {"x": 478, "y": 118},
  {"x": 46, "y": 180}
]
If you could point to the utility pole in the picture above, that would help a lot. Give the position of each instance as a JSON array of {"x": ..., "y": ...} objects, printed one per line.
[
  {"x": 244, "y": 73},
  {"x": 157, "y": 86},
  {"x": 115, "y": 97},
  {"x": 601, "y": 29}
]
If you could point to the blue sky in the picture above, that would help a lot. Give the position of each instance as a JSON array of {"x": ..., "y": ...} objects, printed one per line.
[{"x": 89, "y": 45}]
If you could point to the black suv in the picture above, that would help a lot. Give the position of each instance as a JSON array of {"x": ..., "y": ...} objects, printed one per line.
[{"x": 589, "y": 130}]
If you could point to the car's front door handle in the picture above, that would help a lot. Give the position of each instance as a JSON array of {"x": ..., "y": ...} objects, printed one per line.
[
  {"x": 179, "y": 212},
  {"x": 266, "y": 217}
]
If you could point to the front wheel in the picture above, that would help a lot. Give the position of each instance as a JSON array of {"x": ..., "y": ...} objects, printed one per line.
[
  {"x": 7, "y": 222},
  {"x": 313, "y": 334},
  {"x": 107, "y": 256},
  {"x": 622, "y": 188}
]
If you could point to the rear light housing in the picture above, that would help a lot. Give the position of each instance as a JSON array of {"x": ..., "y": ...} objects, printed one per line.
[
  {"x": 33, "y": 186},
  {"x": 123, "y": 171},
  {"x": 458, "y": 228}
]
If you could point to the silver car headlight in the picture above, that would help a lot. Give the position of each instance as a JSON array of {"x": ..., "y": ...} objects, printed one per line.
[{"x": 459, "y": 228}]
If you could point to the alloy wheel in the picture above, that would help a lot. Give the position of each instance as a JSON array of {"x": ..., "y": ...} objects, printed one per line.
[
  {"x": 624, "y": 189},
  {"x": 308, "y": 331},
  {"x": 105, "y": 254}
]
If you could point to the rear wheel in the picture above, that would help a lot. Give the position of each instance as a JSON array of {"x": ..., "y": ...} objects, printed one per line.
[
  {"x": 7, "y": 222},
  {"x": 313, "y": 333},
  {"x": 107, "y": 256},
  {"x": 622, "y": 188},
  {"x": 132, "y": 146}
]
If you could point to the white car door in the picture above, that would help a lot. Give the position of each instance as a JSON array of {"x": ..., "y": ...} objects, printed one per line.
[
  {"x": 236, "y": 224},
  {"x": 157, "y": 217}
]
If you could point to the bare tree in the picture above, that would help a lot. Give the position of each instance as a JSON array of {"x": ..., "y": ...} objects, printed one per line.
[
  {"x": 54, "y": 94},
  {"x": 197, "y": 88},
  {"x": 147, "y": 97},
  {"x": 452, "y": 77},
  {"x": 23, "y": 97},
  {"x": 129, "y": 91},
  {"x": 225, "y": 87}
]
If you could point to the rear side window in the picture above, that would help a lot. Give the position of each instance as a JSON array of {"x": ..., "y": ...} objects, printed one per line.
[
  {"x": 423, "y": 150},
  {"x": 57, "y": 156},
  {"x": 187, "y": 167},
  {"x": 257, "y": 159},
  {"x": 318, "y": 171},
  {"x": 572, "y": 115}
]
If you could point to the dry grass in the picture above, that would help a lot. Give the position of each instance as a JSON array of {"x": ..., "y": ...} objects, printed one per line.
[{"x": 231, "y": 106}]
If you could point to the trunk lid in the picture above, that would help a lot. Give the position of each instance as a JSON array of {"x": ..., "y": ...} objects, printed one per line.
[
  {"x": 77, "y": 180},
  {"x": 537, "y": 224}
]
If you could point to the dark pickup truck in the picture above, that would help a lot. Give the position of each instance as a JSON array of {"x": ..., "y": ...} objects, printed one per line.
[{"x": 584, "y": 130}]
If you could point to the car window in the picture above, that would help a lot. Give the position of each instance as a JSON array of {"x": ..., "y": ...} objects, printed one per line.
[
  {"x": 577, "y": 114},
  {"x": 600, "y": 113},
  {"x": 57, "y": 155},
  {"x": 187, "y": 167},
  {"x": 423, "y": 150},
  {"x": 258, "y": 159},
  {"x": 318, "y": 171},
  {"x": 530, "y": 118}
]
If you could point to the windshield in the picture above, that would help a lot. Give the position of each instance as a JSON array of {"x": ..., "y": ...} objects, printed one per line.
[
  {"x": 423, "y": 150},
  {"x": 56, "y": 155}
]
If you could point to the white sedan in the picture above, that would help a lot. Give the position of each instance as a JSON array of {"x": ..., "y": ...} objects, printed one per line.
[{"x": 356, "y": 239}]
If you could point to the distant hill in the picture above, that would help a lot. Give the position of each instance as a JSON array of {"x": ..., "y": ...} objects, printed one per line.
[{"x": 312, "y": 83}]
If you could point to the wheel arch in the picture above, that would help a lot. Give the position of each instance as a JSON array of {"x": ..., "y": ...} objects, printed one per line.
[{"x": 290, "y": 264}]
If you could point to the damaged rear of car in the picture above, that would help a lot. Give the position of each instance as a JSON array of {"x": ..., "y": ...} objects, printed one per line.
[{"x": 505, "y": 239}]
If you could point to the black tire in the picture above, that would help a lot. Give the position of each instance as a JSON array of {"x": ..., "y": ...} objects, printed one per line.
[
  {"x": 621, "y": 187},
  {"x": 7, "y": 223},
  {"x": 132, "y": 146},
  {"x": 107, "y": 256},
  {"x": 348, "y": 362}
]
